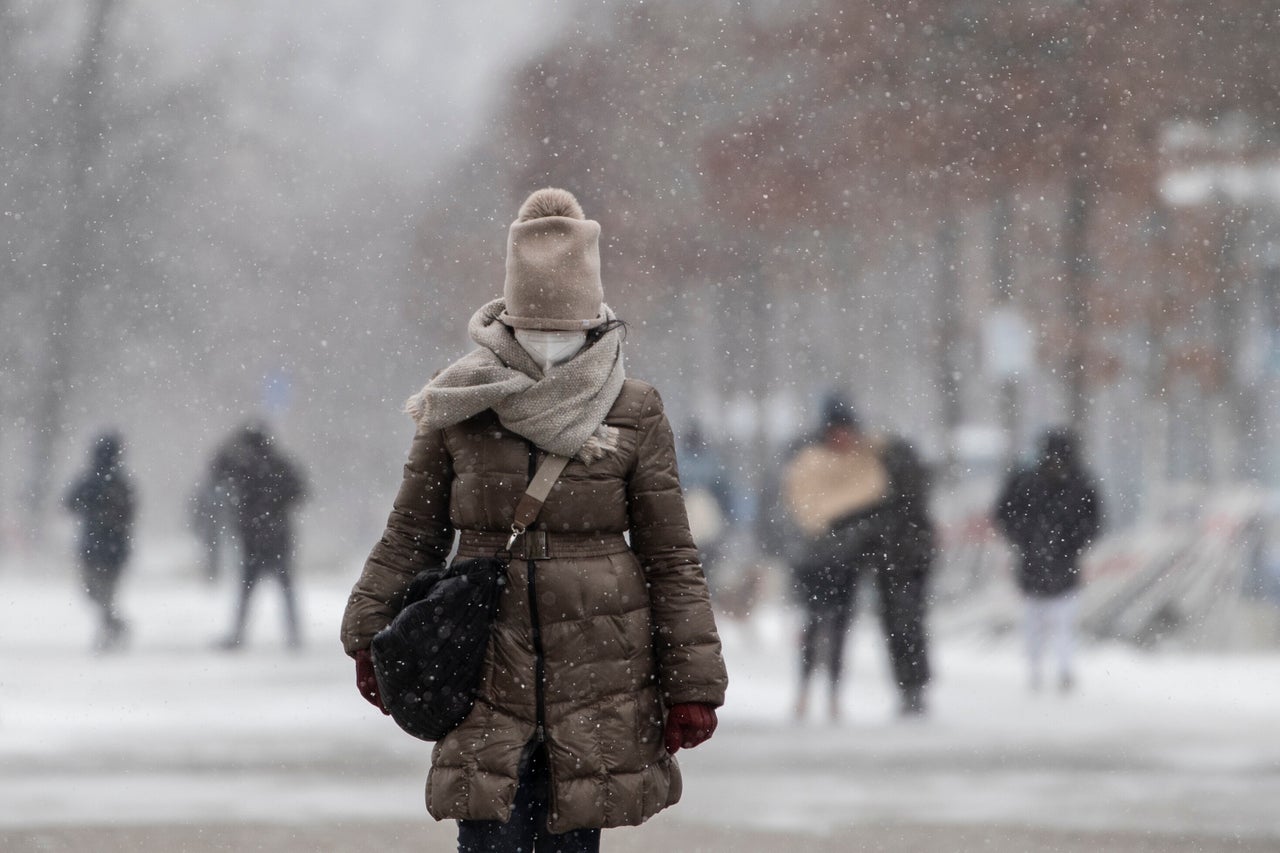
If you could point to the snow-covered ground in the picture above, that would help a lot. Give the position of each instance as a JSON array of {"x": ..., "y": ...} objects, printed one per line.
[{"x": 176, "y": 734}]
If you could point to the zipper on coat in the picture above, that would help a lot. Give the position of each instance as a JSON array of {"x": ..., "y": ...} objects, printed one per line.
[{"x": 539, "y": 662}]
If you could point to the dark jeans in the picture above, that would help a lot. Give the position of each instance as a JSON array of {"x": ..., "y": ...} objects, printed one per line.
[
  {"x": 902, "y": 599},
  {"x": 255, "y": 568},
  {"x": 829, "y": 613},
  {"x": 526, "y": 831},
  {"x": 830, "y": 593},
  {"x": 100, "y": 582}
]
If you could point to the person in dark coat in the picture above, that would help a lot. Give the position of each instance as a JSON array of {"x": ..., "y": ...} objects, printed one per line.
[
  {"x": 263, "y": 487},
  {"x": 1050, "y": 513},
  {"x": 103, "y": 498},
  {"x": 832, "y": 489},
  {"x": 901, "y": 563}
]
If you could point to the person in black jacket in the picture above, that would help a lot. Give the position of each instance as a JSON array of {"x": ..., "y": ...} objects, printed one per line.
[
  {"x": 104, "y": 500},
  {"x": 1051, "y": 513},
  {"x": 262, "y": 487},
  {"x": 901, "y": 563}
]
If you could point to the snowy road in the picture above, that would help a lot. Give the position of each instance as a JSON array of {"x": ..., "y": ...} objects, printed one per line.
[{"x": 174, "y": 746}]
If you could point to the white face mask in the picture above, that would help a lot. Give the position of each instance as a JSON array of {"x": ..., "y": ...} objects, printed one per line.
[{"x": 549, "y": 348}]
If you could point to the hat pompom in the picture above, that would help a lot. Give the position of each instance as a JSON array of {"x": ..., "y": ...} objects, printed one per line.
[{"x": 550, "y": 202}]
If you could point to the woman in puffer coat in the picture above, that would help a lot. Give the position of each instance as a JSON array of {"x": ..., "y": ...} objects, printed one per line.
[{"x": 604, "y": 658}]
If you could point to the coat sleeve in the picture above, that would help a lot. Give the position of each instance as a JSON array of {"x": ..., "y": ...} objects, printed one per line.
[
  {"x": 129, "y": 512},
  {"x": 418, "y": 536},
  {"x": 293, "y": 484},
  {"x": 73, "y": 500},
  {"x": 690, "y": 665}
]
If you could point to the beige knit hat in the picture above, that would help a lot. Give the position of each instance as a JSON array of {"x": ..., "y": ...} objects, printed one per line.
[{"x": 553, "y": 266}]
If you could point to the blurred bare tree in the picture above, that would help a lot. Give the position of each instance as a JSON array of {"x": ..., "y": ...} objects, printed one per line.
[
  {"x": 878, "y": 178},
  {"x": 796, "y": 197},
  {"x": 209, "y": 216},
  {"x": 80, "y": 132}
]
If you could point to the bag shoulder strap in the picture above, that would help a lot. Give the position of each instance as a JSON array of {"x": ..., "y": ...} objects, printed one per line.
[{"x": 530, "y": 503}]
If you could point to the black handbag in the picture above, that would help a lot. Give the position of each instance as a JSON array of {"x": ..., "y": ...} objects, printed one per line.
[{"x": 429, "y": 660}]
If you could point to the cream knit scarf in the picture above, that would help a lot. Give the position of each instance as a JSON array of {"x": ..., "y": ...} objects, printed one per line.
[{"x": 561, "y": 411}]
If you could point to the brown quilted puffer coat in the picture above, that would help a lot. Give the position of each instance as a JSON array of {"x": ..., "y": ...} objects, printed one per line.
[{"x": 625, "y": 631}]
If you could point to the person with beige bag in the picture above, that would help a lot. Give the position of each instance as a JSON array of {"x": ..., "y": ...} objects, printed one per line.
[
  {"x": 604, "y": 658},
  {"x": 833, "y": 489}
]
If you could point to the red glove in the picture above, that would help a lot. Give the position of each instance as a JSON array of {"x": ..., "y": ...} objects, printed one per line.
[
  {"x": 688, "y": 725},
  {"x": 366, "y": 681}
]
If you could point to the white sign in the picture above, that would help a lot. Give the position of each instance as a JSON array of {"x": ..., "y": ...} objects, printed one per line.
[{"x": 1008, "y": 346}]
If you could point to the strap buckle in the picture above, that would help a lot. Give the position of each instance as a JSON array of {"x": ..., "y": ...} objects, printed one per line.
[
  {"x": 535, "y": 545},
  {"x": 517, "y": 530}
]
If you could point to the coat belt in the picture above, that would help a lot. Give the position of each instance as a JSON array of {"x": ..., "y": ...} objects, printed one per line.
[{"x": 541, "y": 544}]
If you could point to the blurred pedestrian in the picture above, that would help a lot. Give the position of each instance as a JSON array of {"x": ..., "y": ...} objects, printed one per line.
[
  {"x": 707, "y": 496},
  {"x": 1051, "y": 513},
  {"x": 901, "y": 565},
  {"x": 775, "y": 532},
  {"x": 604, "y": 658},
  {"x": 104, "y": 500},
  {"x": 833, "y": 489},
  {"x": 264, "y": 488}
]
